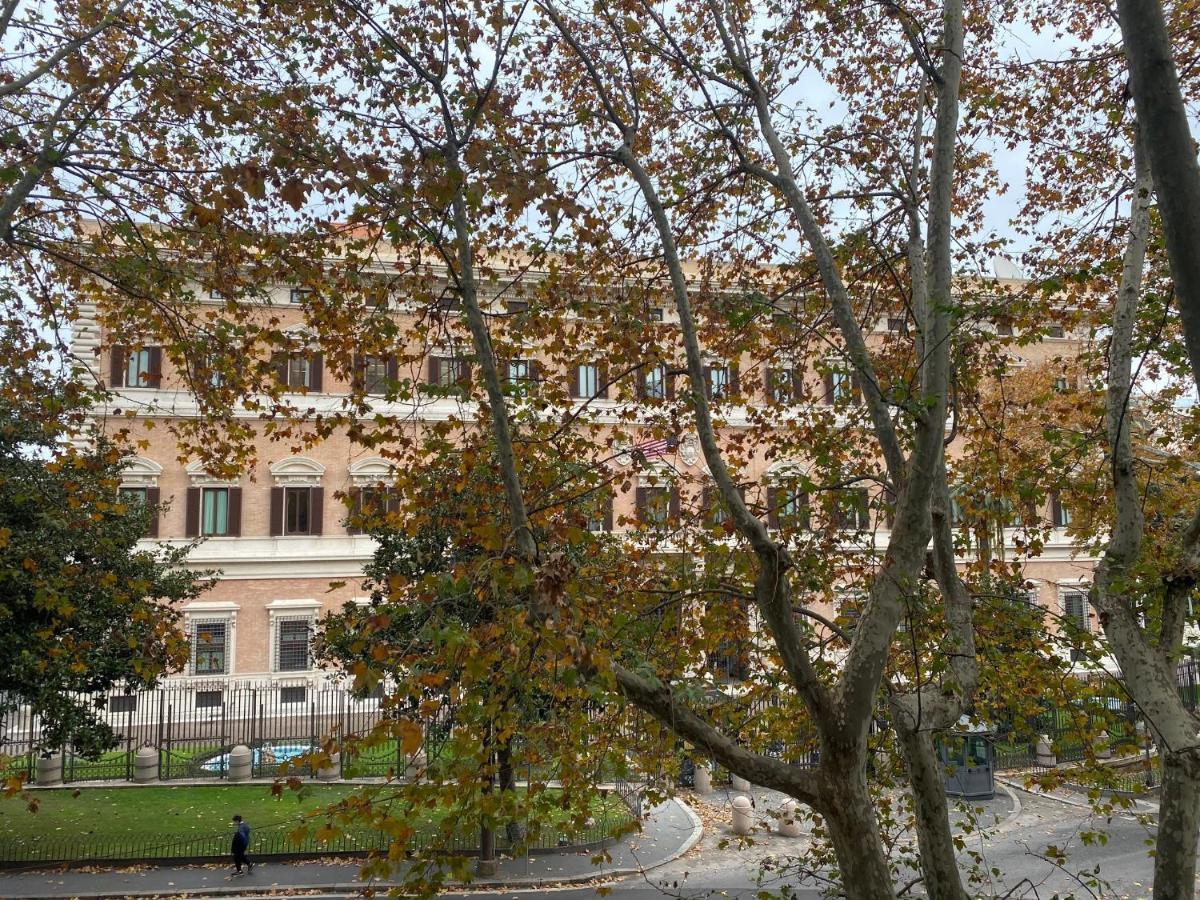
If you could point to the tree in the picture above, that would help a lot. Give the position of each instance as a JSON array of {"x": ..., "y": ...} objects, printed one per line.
[{"x": 85, "y": 608}]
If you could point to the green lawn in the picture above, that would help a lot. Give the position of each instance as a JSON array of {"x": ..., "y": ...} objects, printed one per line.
[{"x": 194, "y": 820}]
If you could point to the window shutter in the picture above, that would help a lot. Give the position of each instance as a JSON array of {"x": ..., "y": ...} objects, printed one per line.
[
  {"x": 155, "y": 376},
  {"x": 639, "y": 382},
  {"x": 535, "y": 370},
  {"x": 316, "y": 510},
  {"x": 357, "y": 372},
  {"x": 235, "y": 512},
  {"x": 774, "y": 499},
  {"x": 856, "y": 389},
  {"x": 192, "y": 513},
  {"x": 734, "y": 378},
  {"x": 602, "y": 377},
  {"x": 276, "y": 511},
  {"x": 797, "y": 384},
  {"x": 393, "y": 367},
  {"x": 464, "y": 374},
  {"x": 669, "y": 380},
  {"x": 280, "y": 362},
  {"x": 316, "y": 372},
  {"x": 1056, "y": 511},
  {"x": 118, "y": 362},
  {"x": 574, "y": 388},
  {"x": 356, "y": 498},
  {"x": 708, "y": 382},
  {"x": 829, "y": 388},
  {"x": 673, "y": 508},
  {"x": 152, "y": 501},
  {"x": 641, "y": 500},
  {"x": 608, "y": 511},
  {"x": 435, "y": 370},
  {"x": 771, "y": 382}
]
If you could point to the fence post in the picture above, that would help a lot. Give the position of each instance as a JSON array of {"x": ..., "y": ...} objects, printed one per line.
[{"x": 162, "y": 703}]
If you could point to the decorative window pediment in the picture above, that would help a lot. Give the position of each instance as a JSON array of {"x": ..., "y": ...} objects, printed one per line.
[
  {"x": 200, "y": 477},
  {"x": 139, "y": 472},
  {"x": 372, "y": 471},
  {"x": 297, "y": 470}
]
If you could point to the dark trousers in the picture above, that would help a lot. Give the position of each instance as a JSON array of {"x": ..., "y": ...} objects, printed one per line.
[{"x": 240, "y": 858}]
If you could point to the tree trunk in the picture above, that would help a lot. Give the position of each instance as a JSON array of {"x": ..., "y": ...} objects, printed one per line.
[
  {"x": 508, "y": 782},
  {"x": 849, "y": 816},
  {"x": 1178, "y": 824},
  {"x": 939, "y": 868}
]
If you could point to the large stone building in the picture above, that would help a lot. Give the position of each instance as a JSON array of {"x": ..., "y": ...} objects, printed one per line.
[{"x": 278, "y": 535}]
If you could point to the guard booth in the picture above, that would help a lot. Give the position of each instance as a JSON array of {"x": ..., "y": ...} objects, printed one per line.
[{"x": 968, "y": 756}]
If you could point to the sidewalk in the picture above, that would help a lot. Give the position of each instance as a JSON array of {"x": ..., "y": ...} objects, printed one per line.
[
  {"x": 1075, "y": 798},
  {"x": 669, "y": 831}
]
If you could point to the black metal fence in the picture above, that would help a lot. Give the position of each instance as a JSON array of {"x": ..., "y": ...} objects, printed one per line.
[{"x": 194, "y": 726}]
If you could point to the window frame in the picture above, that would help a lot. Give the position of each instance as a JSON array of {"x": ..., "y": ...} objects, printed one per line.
[
  {"x": 282, "y": 625},
  {"x": 207, "y": 491},
  {"x": 195, "y": 625}
]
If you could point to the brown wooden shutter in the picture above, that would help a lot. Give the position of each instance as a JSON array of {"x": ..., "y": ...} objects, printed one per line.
[
  {"x": 639, "y": 382},
  {"x": 316, "y": 510},
  {"x": 358, "y": 372},
  {"x": 435, "y": 371},
  {"x": 734, "y": 378},
  {"x": 829, "y": 388},
  {"x": 276, "y": 511},
  {"x": 192, "y": 513},
  {"x": 770, "y": 382},
  {"x": 1056, "y": 511},
  {"x": 152, "y": 500},
  {"x": 235, "y": 512},
  {"x": 279, "y": 362},
  {"x": 353, "y": 520},
  {"x": 574, "y": 389},
  {"x": 154, "y": 378},
  {"x": 641, "y": 501},
  {"x": 535, "y": 370},
  {"x": 316, "y": 373},
  {"x": 856, "y": 389},
  {"x": 774, "y": 500},
  {"x": 708, "y": 384},
  {"x": 602, "y": 377},
  {"x": 673, "y": 506},
  {"x": 464, "y": 374},
  {"x": 797, "y": 384},
  {"x": 669, "y": 380},
  {"x": 608, "y": 511},
  {"x": 118, "y": 363}
]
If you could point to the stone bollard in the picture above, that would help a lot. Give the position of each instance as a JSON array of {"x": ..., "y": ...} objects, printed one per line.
[
  {"x": 789, "y": 820},
  {"x": 49, "y": 769},
  {"x": 1103, "y": 750},
  {"x": 739, "y": 783},
  {"x": 415, "y": 766},
  {"x": 333, "y": 771},
  {"x": 703, "y": 780},
  {"x": 1045, "y": 755},
  {"x": 743, "y": 815},
  {"x": 241, "y": 764},
  {"x": 145, "y": 765}
]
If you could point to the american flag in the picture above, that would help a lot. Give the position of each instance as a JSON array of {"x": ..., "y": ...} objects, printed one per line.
[{"x": 655, "y": 448}]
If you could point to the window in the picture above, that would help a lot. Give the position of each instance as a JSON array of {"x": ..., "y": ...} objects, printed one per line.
[
  {"x": 897, "y": 324},
  {"x": 133, "y": 497},
  {"x": 785, "y": 385},
  {"x": 210, "y": 699},
  {"x": 841, "y": 386},
  {"x": 588, "y": 382},
  {"x": 299, "y": 295},
  {"x": 599, "y": 512},
  {"x": 302, "y": 371},
  {"x": 297, "y": 509},
  {"x": 1056, "y": 331},
  {"x": 519, "y": 370},
  {"x": 298, "y": 373},
  {"x": 448, "y": 371},
  {"x": 728, "y": 620},
  {"x": 216, "y": 294},
  {"x": 138, "y": 369},
  {"x": 1075, "y": 612},
  {"x": 654, "y": 384},
  {"x": 788, "y": 507},
  {"x": 210, "y": 648},
  {"x": 718, "y": 381},
  {"x": 1004, "y": 329},
  {"x": 850, "y": 510},
  {"x": 513, "y": 307},
  {"x": 375, "y": 374},
  {"x": 214, "y": 512},
  {"x": 1060, "y": 516},
  {"x": 1062, "y": 384},
  {"x": 656, "y": 506},
  {"x": 654, "y": 314},
  {"x": 293, "y": 694},
  {"x": 292, "y": 645},
  {"x": 122, "y": 703}
]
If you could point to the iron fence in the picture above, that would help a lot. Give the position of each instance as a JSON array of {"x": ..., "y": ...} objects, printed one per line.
[{"x": 194, "y": 726}]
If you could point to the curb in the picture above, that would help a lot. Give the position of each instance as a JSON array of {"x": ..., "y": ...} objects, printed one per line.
[
  {"x": 1011, "y": 818},
  {"x": 1139, "y": 805},
  {"x": 317, "y": 890}
]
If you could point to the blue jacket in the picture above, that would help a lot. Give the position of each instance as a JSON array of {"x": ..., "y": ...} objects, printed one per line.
[{"x": 241, "y": 837}]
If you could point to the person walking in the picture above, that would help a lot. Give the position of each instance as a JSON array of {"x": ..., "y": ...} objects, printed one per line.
[{"x": 241, "y": 843}]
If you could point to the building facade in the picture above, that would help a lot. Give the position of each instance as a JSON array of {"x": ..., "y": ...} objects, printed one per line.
[{"x": 279, "y": 536}]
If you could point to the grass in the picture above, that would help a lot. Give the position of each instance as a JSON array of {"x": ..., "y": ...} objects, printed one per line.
[{"x": 190, "y": 820}]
